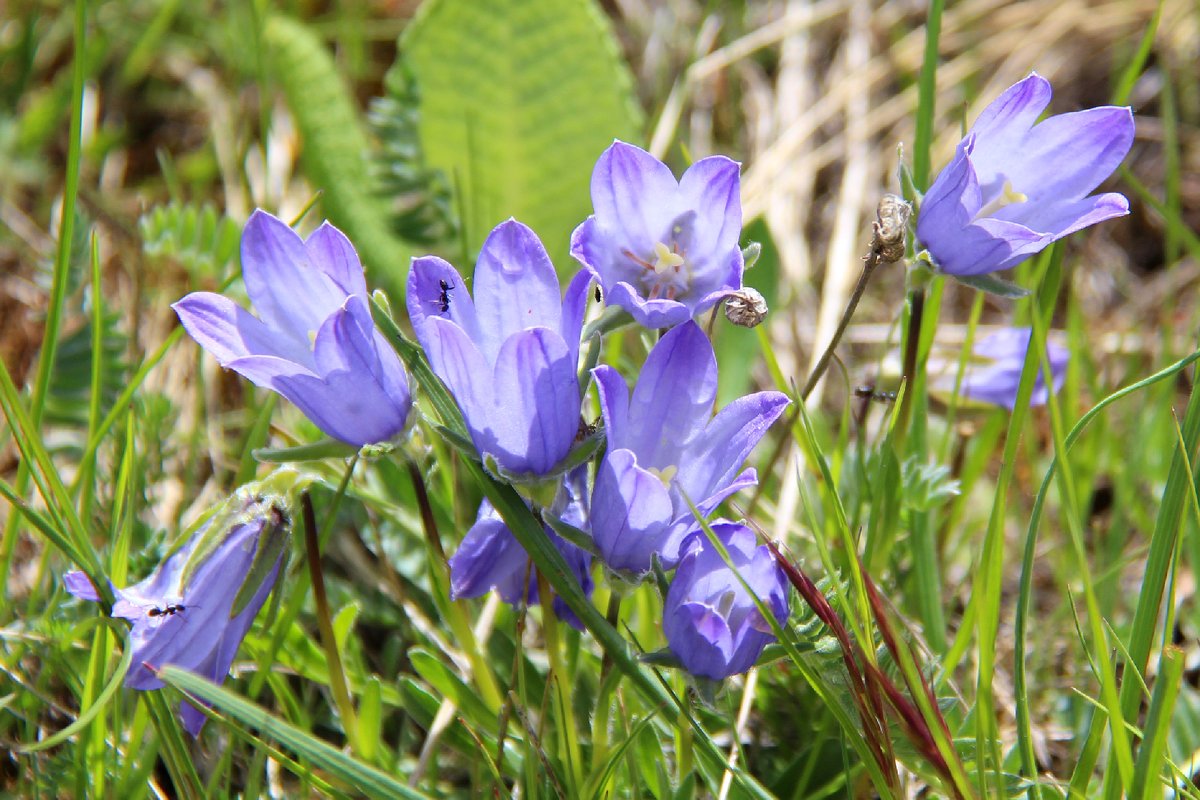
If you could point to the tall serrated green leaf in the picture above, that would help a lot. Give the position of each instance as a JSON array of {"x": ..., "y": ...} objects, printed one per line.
[
  {"x": 518, "y": 99},
  {"x": 336, "y": 148}
]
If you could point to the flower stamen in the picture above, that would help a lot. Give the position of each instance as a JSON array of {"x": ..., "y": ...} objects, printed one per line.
[{"x": 1007, "y": 197}]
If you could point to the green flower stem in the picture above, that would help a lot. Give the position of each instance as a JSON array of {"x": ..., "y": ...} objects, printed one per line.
[
  {"x": 608, "y": 683},
  {"x": 58, "y": 285},
  {"x": 337, "y": 676},
  {"x": 568, "y": 732},
  {"x": 455, "y": 613}
]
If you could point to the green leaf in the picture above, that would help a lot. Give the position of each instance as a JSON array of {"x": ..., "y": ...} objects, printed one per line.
[
  {"x": 195, "y": 236},
  {"x": 363, "y": 777},
  {"x": 518, "y": 99},
  {"x": 336, "y": 151},
  {"x": 993, "y": 285},
  {"x": 449, "y": 686}
]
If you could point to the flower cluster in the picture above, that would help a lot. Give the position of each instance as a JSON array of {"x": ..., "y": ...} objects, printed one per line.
[{"x": 508, "y": 347}]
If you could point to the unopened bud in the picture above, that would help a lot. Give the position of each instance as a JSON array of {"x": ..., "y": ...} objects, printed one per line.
[
  {"x": 746, "y": 307},
  {"x": 890, "y": 227}
]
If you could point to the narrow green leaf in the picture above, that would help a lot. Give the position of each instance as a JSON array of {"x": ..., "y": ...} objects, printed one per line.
[
  {"x": 993, "y": 285},
  {"x": 353, "y": 772}
]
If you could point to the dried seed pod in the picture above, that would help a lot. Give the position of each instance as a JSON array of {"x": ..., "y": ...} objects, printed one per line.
[
  {"x": 746, "y": 307},
  {"x": 890, "y": 226}
]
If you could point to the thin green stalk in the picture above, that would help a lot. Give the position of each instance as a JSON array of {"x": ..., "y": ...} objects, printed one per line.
[
  {"x": 1121, "y": 750},
  {"x": 1152, "y": 754},
  {"x": 58, "y": 285},
  {"x": 990, "y": 572},
  {"x": 608, "y": 683},
  {"x": 1025, "y": 593},
  {"x": 97, "y": 381},
  {"x": 338, "y": 683},
  {"x": 927, "y": 95},
  {"x": 568, "y": 732},
  {"x": 455, "y": 613}
]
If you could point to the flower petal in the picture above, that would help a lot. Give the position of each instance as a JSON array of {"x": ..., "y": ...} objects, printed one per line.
[
  {"x": 229, "y": 332},
  {"x": 718, "y": 455},
  {"x": 456, "y": 360},
  {"x": 951, "y": 203},
  {"x": 1063, "y": 158},
  {"x": 574, "y": 307},
  {"x": 1015, "y": 110},
  {"x": 490, "y": 558},
  {"x": 432, "y": 285},
  {"x": 635, "y": 194},
  {"x": 332, "y": 253},
  {"x": 674, "y": 396},
  {"x": 535, "y": 414},
  {"x": 287, "y": 291},
  {"x": 80, "y": 585},
  {"x": 630, "y": 509},
  {"x": 653, "y": 314},
  {"x": 1061, "y": 218},
  {"x": 516, "y": 287},
  {"x": 712, "y": 188},
  {"x": 614, "y": 405}
]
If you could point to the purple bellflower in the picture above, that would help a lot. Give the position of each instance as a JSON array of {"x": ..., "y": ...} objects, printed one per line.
[
  {"x": 663, "y": 250},
  {"x": 191, "y": 626},
  {"x": 490, "y": 557},
  {"x": 712, "y": 624},
  {"x": 993, "y": 372},
  {"x": 665, "y": 447},
  {"x": 509, "y": 356},
  {"x": 313, "y": 341},
  {"x": 1016, "y": 185}
]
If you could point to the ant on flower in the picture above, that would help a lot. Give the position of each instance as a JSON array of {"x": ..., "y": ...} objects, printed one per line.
[{"x": 170, "y": 610}]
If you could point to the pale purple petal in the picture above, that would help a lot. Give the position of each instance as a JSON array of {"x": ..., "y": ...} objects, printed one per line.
[
  {"x": 1064, "y": 157},
  {"x": 727, "y": 442},
  {"x": 653, "y": 314},
  {"x": 634, "y": 193},
  {"x": 456, "y": 360},
  {"x": 1060, "y": 218},
  {"x": 712, "y": 187},
  {"x": 535, "y": 414},
  {"x": 674, "y": 396},
  {"x": 1016, "y": 109},
  {"x": 515, "y": 288},
  {"x": 332, "y": 253},
  {"x": 614, "y": 405},
  {"x": 287, "y": 291},
  {"x": 629, "y": 510},
  {"x": 80, "y": 585},
  {"x": 229, "y": 332},
  {"x": 574, "y": 307},
  {"x": 435, "y": 289}
]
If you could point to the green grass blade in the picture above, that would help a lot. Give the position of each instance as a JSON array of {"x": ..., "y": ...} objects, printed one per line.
[{"x": 353, "y": 772}]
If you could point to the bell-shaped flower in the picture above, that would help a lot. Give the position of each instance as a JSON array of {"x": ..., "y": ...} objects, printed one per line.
[
  {"x": 490, "y": 557},
  {"x": 510, "y": 355},
  {"x": 712, "y": 624},
  {"x": 192, "y": 626},
  {"x": 314, "y": 340},
  {"x": 1016, "y": 185},
  {"x": 663, "y": 250},
  {"x": 993, "y": 371},
  {"x": 665, "y": 448}
]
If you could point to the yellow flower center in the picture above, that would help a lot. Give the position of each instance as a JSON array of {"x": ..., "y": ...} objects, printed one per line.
[{"x": 1007, "y": 197}]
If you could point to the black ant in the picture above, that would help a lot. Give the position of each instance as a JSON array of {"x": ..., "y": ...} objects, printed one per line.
[
  {"x": 444, "y": 297},
  {"x": 171, "y": 610},
  {"x": 599, "y": 297},
  {"x": 869, "y": 393}
]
